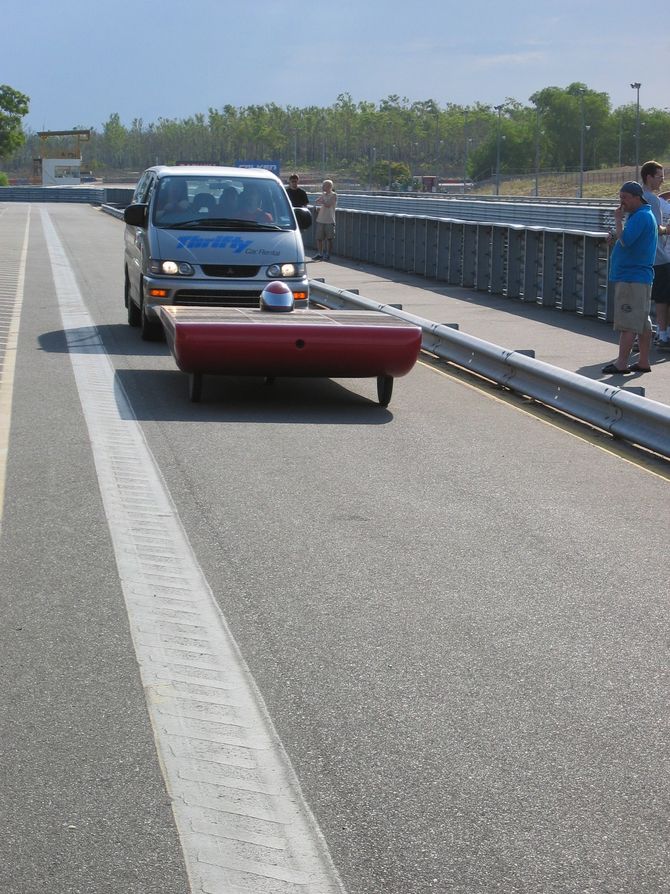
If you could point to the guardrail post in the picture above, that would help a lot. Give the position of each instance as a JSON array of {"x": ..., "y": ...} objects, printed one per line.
[
  {"x": 516, "y": 247},
  {"x": 377, "y": 226},
  {"x": 532, "y": 266},
  {"x": 499, "y": 262},
  {"x": 455, "y": 273},
  {"x": 356, "y": 235},
  {"x": 573, "y": 253},
  {"x": 469, "y": 264},
  {"x": 421, "y": 255},
  {"x": 389, "y": 240},
  {"x": 483, "y": 264},
  {"x": 342, "y": 224},
  {"x": 551, "y": 268},
  {"x": 410, "y": 243},
  {"x": 595, "y": 301},
  {"x": 432, "y": 247},
  {"x": 443, "y": 249},
  {"x": 366, "y": 240},
  {"x": 399, "y": 253}
]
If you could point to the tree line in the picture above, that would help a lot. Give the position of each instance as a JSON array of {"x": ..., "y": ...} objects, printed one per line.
[{"x": 561, "y": 129}]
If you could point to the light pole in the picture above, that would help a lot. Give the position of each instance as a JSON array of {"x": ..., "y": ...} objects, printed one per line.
[
  {"x": 636, "y": 86},
  {"x": 581, "y": 144},
  {"x": 394, "y": 149},
  {"x": 537, "y": 151},
  {"x": 498, "y": 110},
  {"x": 465, "y": 154}
]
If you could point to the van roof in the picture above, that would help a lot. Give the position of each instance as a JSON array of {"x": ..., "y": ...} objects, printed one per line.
[{"x": 212, "y": 171}]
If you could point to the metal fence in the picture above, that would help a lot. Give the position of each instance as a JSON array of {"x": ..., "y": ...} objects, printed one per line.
[
  {"x": 572, "y": 215},
  {"x": 563, "y": 269},
  {"x": 93, "y": 195}
]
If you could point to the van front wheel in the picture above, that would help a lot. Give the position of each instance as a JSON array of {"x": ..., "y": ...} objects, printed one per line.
[
  {"x": 133, "y": 309},
  {"x": 150, "y": 327}
]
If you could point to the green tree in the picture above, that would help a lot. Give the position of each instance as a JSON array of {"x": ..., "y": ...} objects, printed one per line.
[
  {"x": 13, "y": 107},
  {"x": 114, "y": 140}
]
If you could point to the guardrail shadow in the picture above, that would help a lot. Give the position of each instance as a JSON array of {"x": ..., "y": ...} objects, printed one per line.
[{"x": 566, "y": 320}]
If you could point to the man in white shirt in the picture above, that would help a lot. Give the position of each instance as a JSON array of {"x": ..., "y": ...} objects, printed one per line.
[{"x": 651, "y": 175}]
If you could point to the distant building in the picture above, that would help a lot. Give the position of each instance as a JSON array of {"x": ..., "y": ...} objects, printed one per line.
[{"x": 59, "y": 164}]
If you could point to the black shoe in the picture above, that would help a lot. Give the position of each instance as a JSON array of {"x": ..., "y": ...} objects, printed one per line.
[{"x": 613, "y": 370}]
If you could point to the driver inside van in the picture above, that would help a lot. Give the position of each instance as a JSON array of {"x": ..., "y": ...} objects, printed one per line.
[
  {"x": 250, "y": 205},
  {"x": 172, "y": 198}
]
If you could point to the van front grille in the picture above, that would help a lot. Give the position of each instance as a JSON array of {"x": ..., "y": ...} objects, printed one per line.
[
  {"x": 218, "y": 297},
  {"x": 230, "y": 271}
]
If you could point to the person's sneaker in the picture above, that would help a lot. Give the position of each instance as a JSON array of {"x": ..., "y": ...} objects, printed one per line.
[
  {"x": 317, "y": 257},
  {"x": 326, "y": 257}
]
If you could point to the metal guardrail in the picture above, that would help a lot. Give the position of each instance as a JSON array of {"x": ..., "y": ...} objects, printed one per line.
[
  {"x": 88, "y": 196},
  {"x": 562, "y": 269},
  {"x": 115, "y": 212},
  {"x": 93, "y": 195},
  {"x": 568, "y": 214},
  {"x": 621, "y": 414}
]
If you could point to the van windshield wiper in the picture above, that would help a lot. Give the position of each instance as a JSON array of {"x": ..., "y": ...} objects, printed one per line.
[
  {"x": 220, "y": 223},
  {"x": 241, "y": 224}
]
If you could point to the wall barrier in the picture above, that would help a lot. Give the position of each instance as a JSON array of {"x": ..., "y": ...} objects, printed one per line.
[
  {"x": 570, "y": 215},
  {"x": 562, "y": 269},
  {"x": 620, "y": 413},
  {"x": 93, "y": 195}
]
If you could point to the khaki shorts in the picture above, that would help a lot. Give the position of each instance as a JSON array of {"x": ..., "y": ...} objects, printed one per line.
[
  {"x": 324, "y": 231},
  {"x": 632, "y": 303}
]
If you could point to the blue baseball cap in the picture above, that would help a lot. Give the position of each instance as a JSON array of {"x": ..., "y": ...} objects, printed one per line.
[{"x": 634, "y": 188}]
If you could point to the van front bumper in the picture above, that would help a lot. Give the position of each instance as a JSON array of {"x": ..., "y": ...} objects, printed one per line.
[{"x": 190, "y": 292}]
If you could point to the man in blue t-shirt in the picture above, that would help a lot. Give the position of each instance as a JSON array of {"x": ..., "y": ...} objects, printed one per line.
[{"x": 632, "y": 272}]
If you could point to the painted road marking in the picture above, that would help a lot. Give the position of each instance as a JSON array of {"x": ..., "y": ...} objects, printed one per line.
[
  {"x": 14, "y": 253},
  {"x": 242, "y": 820}
]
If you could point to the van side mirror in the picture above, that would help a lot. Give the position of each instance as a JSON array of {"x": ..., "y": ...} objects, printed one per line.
[
  {"x": 136, "y": 215},
  {"x": 304, "y": 217}
]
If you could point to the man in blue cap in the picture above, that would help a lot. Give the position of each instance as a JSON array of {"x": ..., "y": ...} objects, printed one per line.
[{"x": 632, "y": 272}]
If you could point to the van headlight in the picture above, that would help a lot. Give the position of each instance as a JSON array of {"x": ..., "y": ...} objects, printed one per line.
[
  {"x": 285, "y": 270},
  {"x": 171, "y": 268}
]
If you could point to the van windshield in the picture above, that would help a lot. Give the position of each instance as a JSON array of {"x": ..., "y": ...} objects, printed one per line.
[{"x": 197, "y": 202}]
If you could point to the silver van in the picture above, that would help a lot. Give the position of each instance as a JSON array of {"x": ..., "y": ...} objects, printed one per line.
[{"x": 209, "y": 236}]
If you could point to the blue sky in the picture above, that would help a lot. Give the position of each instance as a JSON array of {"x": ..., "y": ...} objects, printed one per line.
[{"x": 79, "y": 62}]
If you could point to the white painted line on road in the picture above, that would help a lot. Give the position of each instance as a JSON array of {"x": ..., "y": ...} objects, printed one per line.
[
  {"x": 12, "y": 280},
  {"x": 242, "y": 820}
]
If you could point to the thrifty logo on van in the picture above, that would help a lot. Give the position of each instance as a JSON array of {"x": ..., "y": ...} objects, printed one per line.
[{"x": 234, "y": 242}]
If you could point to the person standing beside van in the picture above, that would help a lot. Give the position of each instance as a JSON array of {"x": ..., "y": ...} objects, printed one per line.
[
  {"x": 632, "y": 272},
  {"x": 325, "y": 221},
  {"x": 651, "y": 174},
  {"x": 296, "y": 194}
]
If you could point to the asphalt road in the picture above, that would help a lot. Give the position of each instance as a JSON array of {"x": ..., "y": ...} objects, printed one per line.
[{"x": 455, "y": 611}]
